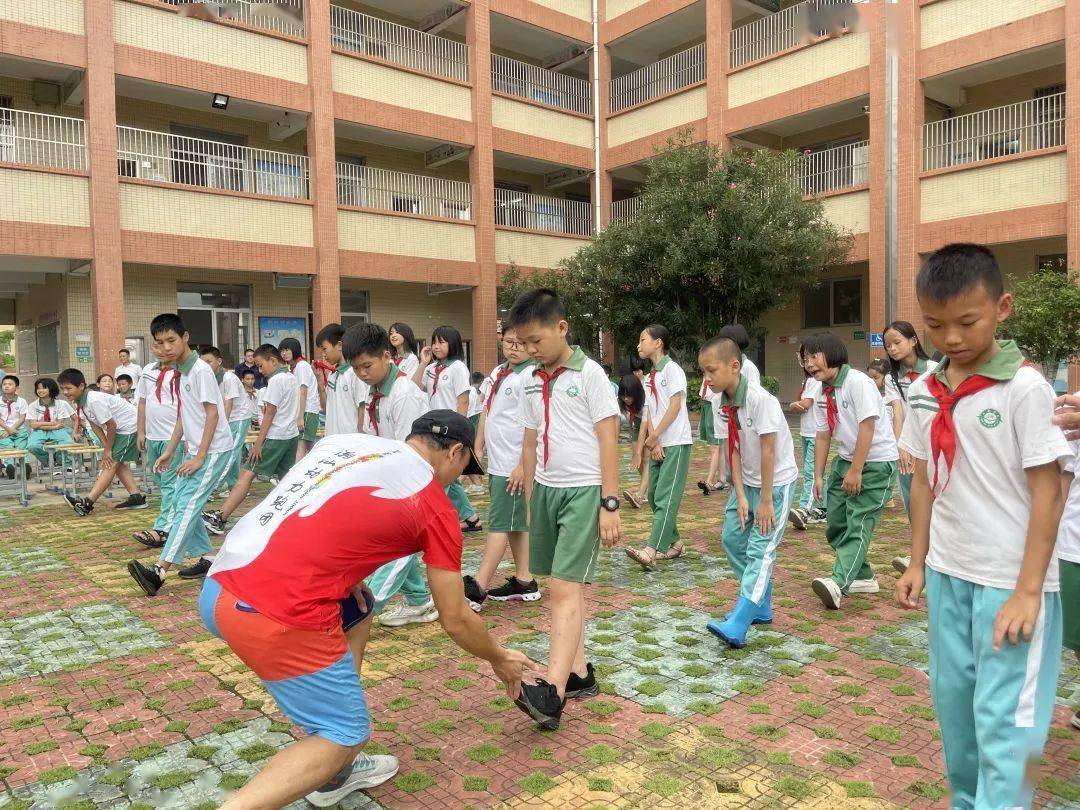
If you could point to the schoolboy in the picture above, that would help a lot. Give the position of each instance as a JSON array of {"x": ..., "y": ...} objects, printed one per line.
[
  {"x": 113, "y": 422},
  {"x": 207, "y": 447},
  {"x": 236, "y": 412},
  {"x": 127, "y": 367},
  {"x": 764, "y": 478},
  {"x": 158, "y": 411},
  {"x": 985, "y": 503},
  {"x": 346, "y": 394},
  {"x": 13, "y": 431},
  {"x": 124, "y": 388},
  {"x": 1068, "y": 552},
  {"x": 570, "y": 447},
  {"x": 274, "y": 451},
  {"x": 860, "y": 484}
]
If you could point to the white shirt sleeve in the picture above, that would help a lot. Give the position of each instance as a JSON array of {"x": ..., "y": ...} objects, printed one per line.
[
  {"x": 599, "y": 396},
  {"x": 63, "y": 409},
  {"x": 272, "y": 394},
  {"x": 204, "y": 386},
  {"x": 769, "y": 416},
  {"x": 821, "y": 413},
  {"x": 865, "y": 398},
  {"x": 676, "y": 379},
  {"x": 97, "y": 410},
  {"x": 407, "y": 410},
  {"x": 915, "y": 436},
  {"x": 232, "y": 388},
  {"x": 525, "y": 414},
  {"x": 459, "y": 378},
  {"x": 305, "y": 376},
  {"x": 1040, "y": 441},
  {"x": 360, "y": 390},
  {"x": 892, "y": 393}
]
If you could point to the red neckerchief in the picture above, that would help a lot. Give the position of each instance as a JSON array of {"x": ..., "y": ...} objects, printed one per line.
[
  {"x": 830, "y": 407},
  {"x": 174, "y": 385},
  {"x": 547, "y": 383},
  {"x": 504, "y": 372},
  {"x": 942, "y": 428},
  {"x": 652, "y": 387},
  {"x": 376, "y": 395},
  {"x": 731, "y": 412},
  {"x": 325, "y": 369},
  {"x": 631, "y": 415},
  {"x": 439, "y": 369},
  {"x": 9, "y": 403},
  {"x": 704, "y": 386},
  {"x": 47, "y": 415},
  {"x": 912, "y": 376}
]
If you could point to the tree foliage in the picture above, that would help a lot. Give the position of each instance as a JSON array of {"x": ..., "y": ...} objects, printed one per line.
[{"x": 1045, "y": 321}]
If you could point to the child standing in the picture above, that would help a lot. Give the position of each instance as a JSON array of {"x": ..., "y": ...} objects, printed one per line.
[
  {"x": 571, "y": 447},
  {"x": 158, "y": 411},
  {"x": 1068, "y": 552},
  {"x": 307, "y": 412},
  {"x": 405, "y": 349},
  {"x": 763, "y": 480},
  {"x": 49, "y": 419},
  {"x": 477, "y": 394},
  {"x": 232, "y": 397},
  {"x": 346, "y": 394},
  {"x": 985, "y": 502},
  {"x": 860, "y": 483},
  {"x": 667, "y": 439},
  {"x": 631, "y": 396},
  {"x": 714, "y": 479},
  {"x": 809, "y": 510}
]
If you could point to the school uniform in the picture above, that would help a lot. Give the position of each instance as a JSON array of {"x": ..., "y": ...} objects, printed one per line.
[
  {"x": 345, "y": 396},
  {"x": 158, "y": 389},
  {"x": 55, "y": 410},
  {"x": 1068, "y": 552},
  {"x": 197, "y": 387},
  {"x": 563, "y": 407},
  {"x": 306, "y": 376},
  {"x": 133, "y": 370},
  {"x": 444, "y": 383},
  {"x": 899, "y": 389},
  {"x": 706, "y": 425},
  {"x": 840, "y": 407},
  {"x": 809, "y": 389},
  {"x": 13, "y": 411},
  {"x": 994, "y": 707},
  {"x": 719, "y": 421},
  {"x": 232, "y": 390},
  {"x": 97, "y": 408},
  {"x": 260, "y": 398},
  {"x": 279, "y": 447},
  {"x": 407, "y": 364},
  {"x": 503, "y": 438},
  {"x": 667, "y": 478},
  {"x": 475, "y": 407}
]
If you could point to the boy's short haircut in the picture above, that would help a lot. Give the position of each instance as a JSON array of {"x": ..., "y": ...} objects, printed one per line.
[
  {"x": 247, "y": 372},
  {"x": 11, "y": 377},
  {"x": 167, "y": 322},
  {"x": 541, "y": 305},
  {"x": 955, "y": 269},
  {"x": 476, "y": 378},
  {"x": 830, "y": 345},
  {"x": 724, "y": 347},
  {"x": 124, "y": 351},
  {"x": 213, "y": 351},
  {"x": 123, "y": 377},
  {"x": 49, "y": 383},
  {"x": 71, "y": 376},
  {"x": 269, "y": 350},
  {"x": 365, "y": 338},
  {"x": 331, "y": 333},
  {"x": 736, "y": 332}
]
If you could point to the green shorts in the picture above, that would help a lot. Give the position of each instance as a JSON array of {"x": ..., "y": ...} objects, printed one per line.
[
  {"x": 278, "y": 457},
  {"x": 311, "y": 427},
  {"x": 507, "y": 513},
  {"x": 125, "y": 449},
  {"x": 1070, "y": 604},
  {"x": 706, "y": 427},
  {"x": 475, "y": 421},
  {"x": 564, "y": 532}
]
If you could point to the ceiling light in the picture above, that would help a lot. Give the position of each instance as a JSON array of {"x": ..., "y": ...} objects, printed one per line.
[{"x": 219, "y": 101}]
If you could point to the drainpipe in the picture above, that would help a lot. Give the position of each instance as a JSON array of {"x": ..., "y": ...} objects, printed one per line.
[{"x": 596, "y": 112}]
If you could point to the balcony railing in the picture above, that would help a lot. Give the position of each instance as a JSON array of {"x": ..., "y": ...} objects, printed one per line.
[
  {"x": 840, "y": 167},
  {"x": 788, "y": 28},
  {"x": 368, "y": 187},
  {"x": 625, "y": 210},
  {"x": 1027, "y": 126},
  {"x": 521, "y": 79},
  {"x": 210, "y": 164},
  {"x": 36, "y": 139},
  {"x": 666, "y": 76},
  {"x": 283, "y": 16},
  {"x": 371, "y": 36},
  {"x": 538, "y": 213}
]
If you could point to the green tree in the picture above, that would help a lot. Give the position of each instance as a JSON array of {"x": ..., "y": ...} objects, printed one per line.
[{"x": 1045, "y": 323}]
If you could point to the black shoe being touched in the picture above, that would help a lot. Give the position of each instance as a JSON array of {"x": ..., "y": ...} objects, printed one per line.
[
  {"x": 196, "y": 571},
  {"x": 578, "y": 687},
  {"x": 515, "y": 590},
  {"x": 541, "y": 702}
]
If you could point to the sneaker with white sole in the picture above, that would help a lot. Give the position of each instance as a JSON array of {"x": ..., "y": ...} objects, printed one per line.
[
  {"x": 900, "y": 564},
  {"x": 405, "y": 614},
  {"x": 817, "y": 515},
  {"x": 515, "y": 590},
  {"x": 363, "y": 773},
  {"x": 864, "y": 586},
  {"x": 799, "y": 518},
  {"x": 828, "y": 592}
]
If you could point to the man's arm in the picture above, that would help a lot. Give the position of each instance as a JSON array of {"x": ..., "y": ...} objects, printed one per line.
[{"x": 607, "y": 434}]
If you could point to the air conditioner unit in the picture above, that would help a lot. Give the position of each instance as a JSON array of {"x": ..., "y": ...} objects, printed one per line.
[
  {"x": 443, "y": 154},
  {"x": 565, "y": 177},
  {"x": 443, "y": 289},
  {"x": 437, "y": 21},
  {"x": 292, "y": 281},
  {"x": 567, "y": 54}
]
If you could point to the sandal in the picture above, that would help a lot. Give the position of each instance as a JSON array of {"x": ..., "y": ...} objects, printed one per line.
[
  {"x": 473, "y": 524},
  {"x": 151, "y": 538},
  {"x": 673, "y": 553},
  {"x": 641, "y": 558},
  {"x": 631, "y": 498}
]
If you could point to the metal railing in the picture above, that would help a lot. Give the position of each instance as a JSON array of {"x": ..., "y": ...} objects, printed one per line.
[
  {"x": 790, "y": 27},
  {"x": 839, "y": 167},
  {"x": 520, "y": 209},
  {"x": 1026, "y": 126},
  {"x": 37, "y": 139},
  {"x": 210, "y": 164},
  {"x": 666, "y": 76},
  {"x": 368, "y": 187},
  {"x": 371, "y": 36},
  {"x": 283, "y": 16},
  {"x": 521, "y": 79},
  {"x": 625, "y": 210}
]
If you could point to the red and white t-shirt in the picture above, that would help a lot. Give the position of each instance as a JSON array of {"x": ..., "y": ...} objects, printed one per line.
[{"x": 354, "y": 503}]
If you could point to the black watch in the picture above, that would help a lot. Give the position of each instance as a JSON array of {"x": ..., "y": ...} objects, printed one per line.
[{"x": 610, "y": 503}]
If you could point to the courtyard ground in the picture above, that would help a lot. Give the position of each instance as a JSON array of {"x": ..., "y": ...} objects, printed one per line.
[{"x": 111, "y": 699}]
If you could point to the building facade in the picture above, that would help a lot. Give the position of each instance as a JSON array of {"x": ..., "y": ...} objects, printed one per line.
[{"x": 301, "y": 162}]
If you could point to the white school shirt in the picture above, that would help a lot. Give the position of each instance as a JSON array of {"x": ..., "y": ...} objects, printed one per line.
[
  {"x": 760, "y": 414},
  {"x": 453, "y": 382},
  {"x": 476, "y": 402},
  {"x": 59, "y": 411},
  {"x": 580, "y": 397},
  {"x": 857, "y": 398},
  {"x": 99, "y": 407},
  {"x": 401, "y": 403},
  {"x": 408, "y": 364},
  {"x": 1068, "y": 539},
  {"x": 160, "y": 415},
  {"x": 260, "y": 394},
  {"x": 12, "y": 412},
  {"x": 808, "y": 420},
  {"x": 132, "y": 370},
  {"x": 198, "y": 388},
  {"x": 345, "y": 395},
  {"x": 247, "y": 408},
  {"x": 661, "y": 384},
  {"x": 282, "y": 391},
  {"x": 748, "y": 370},
  {"x": 232, "y": 388},
  {"x": 503, "y": 432},
  {"x": 894, "y": 391},
  {"x": 979, "y": 517},
  {"x": 306, "y": 376}
]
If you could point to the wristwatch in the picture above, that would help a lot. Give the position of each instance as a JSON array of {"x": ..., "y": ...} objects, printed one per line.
[{"x": 610, "y": 503}]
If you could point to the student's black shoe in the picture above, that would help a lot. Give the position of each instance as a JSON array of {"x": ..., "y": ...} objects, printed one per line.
[
  {"x": 147, "y": 538},
  {"x": 578, "y": 687},
  {"x": 541, "y": 702},
  {"x": 515, "y": 590},
  {"x": 474, "y": 594},
  {"x": 196, "y": 571},
  {"x": 214, "y": 522},
  {"x": 149, "y": 579},
  {"x": 82, "y": 506},
  {"x": 136, "y": 501}
]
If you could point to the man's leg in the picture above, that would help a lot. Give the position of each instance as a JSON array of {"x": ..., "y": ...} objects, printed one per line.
[{"x": 863, "y": 511}]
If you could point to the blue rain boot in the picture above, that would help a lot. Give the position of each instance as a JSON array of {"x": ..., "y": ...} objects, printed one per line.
[
  {"x": 733, "y": 629},
  {"x": 764, "y": 611}
]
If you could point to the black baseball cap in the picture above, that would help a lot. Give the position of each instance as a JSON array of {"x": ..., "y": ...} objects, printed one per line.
[{"x": 451, "y": 425}]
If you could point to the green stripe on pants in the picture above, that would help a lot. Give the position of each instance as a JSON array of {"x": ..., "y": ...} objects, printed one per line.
[
  {"x": 164, "y": 481},
  {"x": 187, "y": 535},
  {"x": 667, "y": 483},
  {"x": 851, "y": 518}
]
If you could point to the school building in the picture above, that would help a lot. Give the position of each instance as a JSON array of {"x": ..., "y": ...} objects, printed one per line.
[{"x": 270, "y": 167}]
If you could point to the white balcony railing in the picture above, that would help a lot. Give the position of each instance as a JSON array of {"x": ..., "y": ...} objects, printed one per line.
[
  {"x": 283, "y": 16},
  {"x": 625, "y": 210},
  {"x": 1027, "y": 126},
  {"x": 521, "y": 79},
  {"x": 833, "y": 169},
  {"x": 538, "y": 213},
  {"x": 666, "y": 76},
  {"x": 210, "y": 164},
  {"x": 368, "y": 187},
  {"x": 371, "y": 36},
  {"x": 790, "y": 27},
  {"x": 36, "y": 139}
]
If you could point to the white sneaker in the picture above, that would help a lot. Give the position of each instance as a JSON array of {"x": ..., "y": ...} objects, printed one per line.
[
  {"x": 363, "y": 773},
  {"x": 828, "y": 592},
  {"x": 405, "y": 613},
  {"x": 864, "y": 586},
  {"x": 900, "y": 564}
]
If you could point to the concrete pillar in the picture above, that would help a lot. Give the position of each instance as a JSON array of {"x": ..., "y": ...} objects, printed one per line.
[
  {"x": 881, "y": 123},
  {"x": 1072, "y": 138},
  {"x": 910, "y": 120},
  {"x": 717, "y": 58}
]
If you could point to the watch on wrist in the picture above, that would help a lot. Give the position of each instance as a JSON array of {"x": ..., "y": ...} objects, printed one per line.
[{"x": 609, "y": 503}]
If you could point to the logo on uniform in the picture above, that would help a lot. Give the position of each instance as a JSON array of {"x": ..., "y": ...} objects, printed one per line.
[
  {"x": 990, "y": 418},
  {"x": 187, "y": 387},
  {"x": 572, "y": 391}
]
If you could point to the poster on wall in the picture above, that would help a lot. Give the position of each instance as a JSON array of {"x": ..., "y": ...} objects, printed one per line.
[{"x": 275, "y": 329}]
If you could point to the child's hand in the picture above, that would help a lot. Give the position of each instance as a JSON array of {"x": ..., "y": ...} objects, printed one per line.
[
  {"x": 425, "y": 355},
  {"x": 744, "y": 510},
  {"x": 610, "y": 528},
  {"x": 909, "y": 587},
  {"x": 657, "y": 453},
  {"x": 515, "y": 484},
  {"x": 907, "y": 463},
  {"x": 163, "y": 462},
  {"x": 107, "y": 460},
  {"x": 766, "y": 517},
  {"x": 852, "y": 482},
  {"x": 255, "y": 454},
  {"x": 190, "y": 466},
  {"x": 140, "y": 442},
  {"x": 1016, "y": 619},
  {"x": 819, "y": 489}
]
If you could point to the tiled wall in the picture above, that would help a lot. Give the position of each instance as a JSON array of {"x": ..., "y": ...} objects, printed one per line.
[
  {"x": 849, "y": 211},
  {"x": 541, "y": 123},
  {"x": 56, "y": 199},
  {"x": 391, "y": 301},
  {"x": 952, "y": 19},
  {"x": 534, "y": 250},
  {"x": 998, "y": 187},
  {"x": 617, "y": 7},
  {"x": 405, "y": 236},
  {"x": 682, "y": 108},
  {"x": 59, "y": 15},
  {"x": 582, "y": 9},
  {"x": 387, "y": 85}
]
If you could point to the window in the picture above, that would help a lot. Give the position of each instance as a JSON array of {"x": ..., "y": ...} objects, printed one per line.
[
  {"x": 216, "y": 296},
  {"x": 354, "y": 307},
  {"x": 1055, "y": 261},
  {"x": 836, "y": 303}
]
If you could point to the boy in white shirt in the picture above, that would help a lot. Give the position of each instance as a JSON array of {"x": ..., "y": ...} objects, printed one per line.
[
  {"x": 127, "y": 367},
  {"x": 307, "y": 415},
  {"x": 737, "y": 332},
  {"x": 761, "y": 458},
  {"x": 49, "y": 419},
  {"x": 985, "y": 504},
  {"x": 346, "y": 394},
  {"x": 1068, "y": 553},
  {"x": 158, "y": 410},
  {"x": 232, "y": 397},
  {"x": 809, "y": 510},
  {"x": 13, "y": 430}
]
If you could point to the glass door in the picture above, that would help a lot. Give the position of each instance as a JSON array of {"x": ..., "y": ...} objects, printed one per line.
[{"x": 217, "y": 315}]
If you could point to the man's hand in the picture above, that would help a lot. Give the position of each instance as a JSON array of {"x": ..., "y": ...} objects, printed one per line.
[
  {"x": 610, "y": 528},
  {"x": 190, "y": 466},
  {"x": 255, "y": 454},
  {"x": 907, "y": 463},
  {"x": 515, "y": 484},
  {"x": 766, "y": 517},
  {"x": 852, "y": 482},
  {"x": 1067, "y": 416},
  {"x": 744, "y": 510},
  {"x": 163, "y": 461},
  {"x": 909, "y": 587},
  {"x": 658, "y": 453},
  {"x": 1016, "y": 619},
  {"x": 511, "y": 667},
  {"x": 819, "y": 489}
]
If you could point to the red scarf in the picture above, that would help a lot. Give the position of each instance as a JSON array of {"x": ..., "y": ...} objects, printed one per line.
[
  {"x": 912, "y": 376},
  {"x": 504, "y": 372},
  {"x": 48, "y": 415},
  {"x": 652, "y": 387},
  {"x": 439, "y": 369},
  {"x": 9, "y": 403},
  {"x": 731, "y": 412},
  {"x": 325, "y": 369},
  {"x": 942, "y": 429},
  {"x": 376, "y": 395},
  {"x": 547, "y": 384},
  {"x": 830, "y": 407},
  {"x": 174, "y": 386}
]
